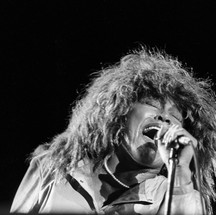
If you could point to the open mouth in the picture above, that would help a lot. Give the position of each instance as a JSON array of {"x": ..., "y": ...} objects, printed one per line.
[{"x": 151, "y": 131}]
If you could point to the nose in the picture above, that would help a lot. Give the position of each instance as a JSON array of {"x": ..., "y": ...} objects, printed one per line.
[{"x": 162, "y": 119}]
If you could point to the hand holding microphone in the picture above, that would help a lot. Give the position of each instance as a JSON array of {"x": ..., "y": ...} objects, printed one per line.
[{"x": 177, "y": 137}]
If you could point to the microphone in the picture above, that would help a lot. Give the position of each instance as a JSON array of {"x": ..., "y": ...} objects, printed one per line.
[
  {"x": 175, "y": 144},
  {"x": 178, "y": 142}
]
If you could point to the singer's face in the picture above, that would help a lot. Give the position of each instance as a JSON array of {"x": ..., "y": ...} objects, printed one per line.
[{"x": 143, "y": 124}]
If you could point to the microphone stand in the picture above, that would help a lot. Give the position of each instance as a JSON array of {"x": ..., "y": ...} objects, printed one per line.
[{"x": 173, "y": 161}]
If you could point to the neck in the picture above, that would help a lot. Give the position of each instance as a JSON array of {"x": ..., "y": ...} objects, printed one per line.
[
  {"x": 118, "y": 173},
  {"x": 123, "y": 169}
]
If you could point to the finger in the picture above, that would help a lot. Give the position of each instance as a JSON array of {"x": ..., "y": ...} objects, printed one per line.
[
  {"x": 161, "y": 133},
  {"x": 184, "y": 137},
  {"x": 158, "y": 137},
  {"x": 184, "y": 140},
  {"x": 166, "y": 135},
  {"x": 170, "y": 135}
]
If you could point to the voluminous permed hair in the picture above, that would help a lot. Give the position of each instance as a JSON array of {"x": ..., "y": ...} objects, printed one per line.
[{"x": 98, "y": 120}]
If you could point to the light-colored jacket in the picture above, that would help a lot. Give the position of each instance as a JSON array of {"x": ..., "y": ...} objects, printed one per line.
[{"x": 40, "y": 192}]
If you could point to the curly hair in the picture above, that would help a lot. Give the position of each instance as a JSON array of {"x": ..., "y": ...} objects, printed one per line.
[{"x": 98, "y": 120}]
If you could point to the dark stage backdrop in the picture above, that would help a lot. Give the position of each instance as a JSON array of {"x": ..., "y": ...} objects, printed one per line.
[{"x": 50, "y": 48}]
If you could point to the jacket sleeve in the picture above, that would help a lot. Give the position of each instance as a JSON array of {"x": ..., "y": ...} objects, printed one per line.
[
  {"x": 185, "y": 200},
  {"x": 39, "y": 193},
  {"x": 26, "y": 197}
]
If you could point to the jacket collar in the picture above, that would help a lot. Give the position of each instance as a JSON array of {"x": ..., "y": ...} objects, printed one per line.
[{"x": 107, "y": 186}]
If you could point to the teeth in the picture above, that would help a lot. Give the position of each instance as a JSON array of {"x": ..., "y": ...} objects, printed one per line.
[
  {"x": 151, "y": 131},
  {"x": 150, "y": 128}
]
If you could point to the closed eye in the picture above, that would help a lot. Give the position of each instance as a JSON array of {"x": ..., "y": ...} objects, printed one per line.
[{"x": 179, "y": 118}]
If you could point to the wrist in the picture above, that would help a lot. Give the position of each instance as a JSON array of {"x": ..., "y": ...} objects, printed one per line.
[
  {"x": 183, "y": 189},
  {"x": 182, "y": 176}
]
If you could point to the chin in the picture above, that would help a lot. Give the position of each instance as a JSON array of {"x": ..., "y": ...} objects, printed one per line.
[{"x": 157, "y": 163}]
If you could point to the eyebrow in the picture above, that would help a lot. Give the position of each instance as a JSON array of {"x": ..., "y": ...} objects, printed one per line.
[
  {"x": 156, "y": 104},
  {"x": 173, "y": 109}
]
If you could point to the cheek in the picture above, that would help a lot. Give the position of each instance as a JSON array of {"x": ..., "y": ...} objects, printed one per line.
[
  {"x": 143, "y": 152},
  {"x": 175, "y": 121}
]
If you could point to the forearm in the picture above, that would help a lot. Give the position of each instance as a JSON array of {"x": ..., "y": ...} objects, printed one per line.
[
  {"x": 182, "y": 176},
  {"x": 185, "y": 200}
]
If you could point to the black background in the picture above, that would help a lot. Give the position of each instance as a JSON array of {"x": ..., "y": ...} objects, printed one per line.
[{"x": 49, "y": 49}]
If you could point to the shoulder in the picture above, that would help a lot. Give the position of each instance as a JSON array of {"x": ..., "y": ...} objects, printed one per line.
[{"x": 41, "y": 191}]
